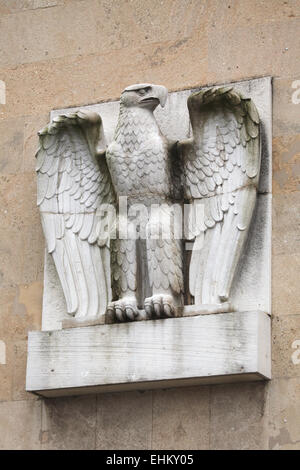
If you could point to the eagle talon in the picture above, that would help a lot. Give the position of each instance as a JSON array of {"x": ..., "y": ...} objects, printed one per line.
[
  {"x": 131, "y": 314},
  {"x": 119, "y": 311},
  {"x": 148, "y": 307},
  {"x": 159, "y": 306},
  {"x": 168, "y": 305},
  {"x": 123, "y": 310},
  {"x": 168, "y": 310}
]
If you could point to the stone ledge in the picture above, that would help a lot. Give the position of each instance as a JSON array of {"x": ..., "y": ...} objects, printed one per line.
[
  {"x": 215, "y": 348},
  {"x": 186, "y": 311}
]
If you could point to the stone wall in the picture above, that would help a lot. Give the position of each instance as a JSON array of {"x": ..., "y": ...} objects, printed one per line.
[{"x": 61, "y": 53}]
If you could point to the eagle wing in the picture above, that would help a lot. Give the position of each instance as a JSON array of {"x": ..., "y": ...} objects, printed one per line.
[
  {"x": 71, "y": 189},
  {"x": 221, "y": 166}
]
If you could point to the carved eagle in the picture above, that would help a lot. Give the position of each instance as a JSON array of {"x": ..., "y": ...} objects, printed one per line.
[{"x": 80, "y": 178}]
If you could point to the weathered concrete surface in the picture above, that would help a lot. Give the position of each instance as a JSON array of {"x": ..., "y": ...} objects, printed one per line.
[
  {"x": 188, "y": 426},
  {"x": 20, "y": 425},
  {"x": 60, "y": 428},
  {"x": 181, "y": 45},
  {"x": 247, "y": 401},
  {"x": 125, "y": 419},
  {"x": 207, "y": 349},
  {"x": 284, "y": 414}
]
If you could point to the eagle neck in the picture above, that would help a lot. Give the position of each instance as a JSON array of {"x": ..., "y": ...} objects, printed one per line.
[{"x": 136, "y": 124}]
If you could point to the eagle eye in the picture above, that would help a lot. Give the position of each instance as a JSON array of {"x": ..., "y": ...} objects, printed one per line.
[{"x": 143, "y": 91}]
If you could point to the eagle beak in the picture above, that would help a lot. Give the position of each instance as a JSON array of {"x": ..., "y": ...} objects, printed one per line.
[{"x": 161, "y": 93}]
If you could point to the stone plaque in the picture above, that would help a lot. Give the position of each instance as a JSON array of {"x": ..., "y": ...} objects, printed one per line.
[{"x": 156, "y": 212}]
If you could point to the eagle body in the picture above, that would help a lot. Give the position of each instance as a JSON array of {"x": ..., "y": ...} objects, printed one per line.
[
  {"x": 146, "y": 271},
  {"x": 138, "y": 158}
]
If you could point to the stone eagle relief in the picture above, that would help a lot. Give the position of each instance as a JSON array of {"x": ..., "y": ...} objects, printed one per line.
[{"x": 143, "y": 227}]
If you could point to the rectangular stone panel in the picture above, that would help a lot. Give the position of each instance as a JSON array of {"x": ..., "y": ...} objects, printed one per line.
[
  {"x": 206, "y": 349},
  {"x": 252, "y": 285}
]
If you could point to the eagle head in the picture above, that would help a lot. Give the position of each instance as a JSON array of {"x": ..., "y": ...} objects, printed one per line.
[{"x": 144, "y": 95}]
